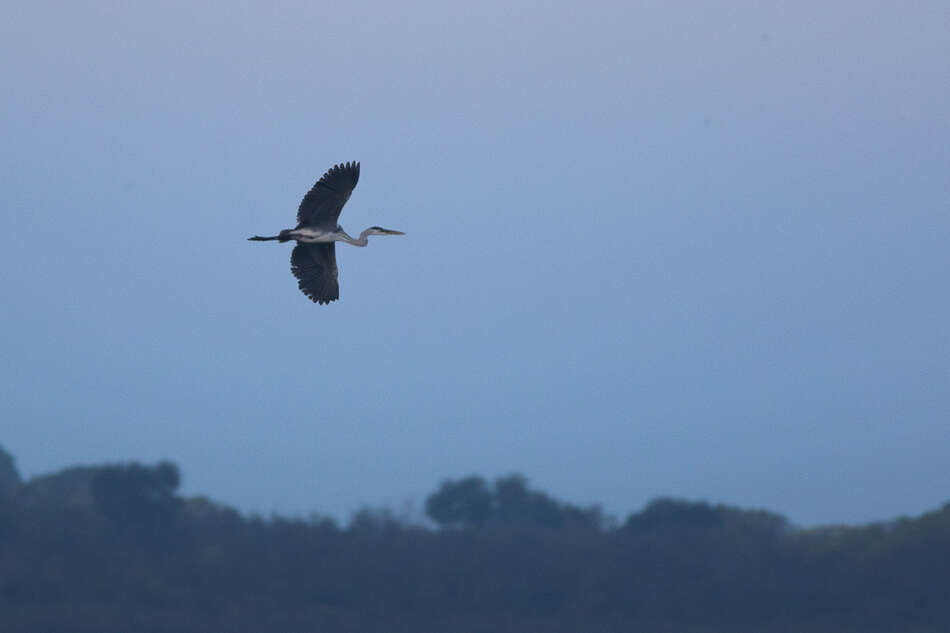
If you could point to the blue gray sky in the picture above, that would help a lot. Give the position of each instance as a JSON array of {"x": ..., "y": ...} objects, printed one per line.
[{"x": 695, "y": 249}]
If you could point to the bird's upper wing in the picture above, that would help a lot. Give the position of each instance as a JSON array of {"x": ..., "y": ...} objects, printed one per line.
[
  {"x": 314, "y": 266},
  {"x": 322, "y": 204}
]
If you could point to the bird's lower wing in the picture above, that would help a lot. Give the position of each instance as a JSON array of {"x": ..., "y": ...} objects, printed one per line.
[{"x": 314, "y": 266}]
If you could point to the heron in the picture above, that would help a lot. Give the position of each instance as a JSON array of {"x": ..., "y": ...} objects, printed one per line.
[{"x": 313, "y": 261}]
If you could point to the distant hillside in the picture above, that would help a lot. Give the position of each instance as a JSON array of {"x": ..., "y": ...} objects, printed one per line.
[{"x": 114, "y": 548}]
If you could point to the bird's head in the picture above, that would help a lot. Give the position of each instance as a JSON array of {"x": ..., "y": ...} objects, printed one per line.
[{"x": 378, "y": 230}]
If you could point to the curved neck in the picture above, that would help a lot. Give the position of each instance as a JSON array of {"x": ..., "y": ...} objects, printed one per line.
[{"x": 360, "y": 241}]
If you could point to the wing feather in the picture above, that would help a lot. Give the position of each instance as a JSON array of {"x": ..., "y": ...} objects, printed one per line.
[
  {"x": 324, "y": 202},
  {"x": 314, "y": 266}
]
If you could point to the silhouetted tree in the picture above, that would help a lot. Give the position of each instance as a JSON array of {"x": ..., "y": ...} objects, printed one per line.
[
  {"x": 466, "y": 502},
  {"x": 675, "y": 514},
  {"x": 516, "y": 504},
  {"x": 108, "y": 549},
  {"x": 142, "y": 497},
  {"x": 10, "y": 480}
]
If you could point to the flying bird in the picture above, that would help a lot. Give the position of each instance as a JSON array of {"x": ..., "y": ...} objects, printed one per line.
[{"x": 313, "y": 261}]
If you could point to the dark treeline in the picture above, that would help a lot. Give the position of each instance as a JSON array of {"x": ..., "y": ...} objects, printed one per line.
[{"x": 114, "y": 548}]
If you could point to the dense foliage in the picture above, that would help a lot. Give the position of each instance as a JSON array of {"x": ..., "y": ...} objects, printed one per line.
[{"x": 113, "y": 548}]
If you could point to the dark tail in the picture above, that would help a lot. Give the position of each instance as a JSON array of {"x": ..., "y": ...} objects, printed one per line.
[{"x": 283, "y": 237}]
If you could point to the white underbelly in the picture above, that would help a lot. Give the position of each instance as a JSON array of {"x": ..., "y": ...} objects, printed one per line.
[{"x": 310, "y": 235}]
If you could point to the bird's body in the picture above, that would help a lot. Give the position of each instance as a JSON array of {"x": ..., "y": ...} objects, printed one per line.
[
  {"x": 314, "y": 235},
  {"x": 313, "y": 261}
]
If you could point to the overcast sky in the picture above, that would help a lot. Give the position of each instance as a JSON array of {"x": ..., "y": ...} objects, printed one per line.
[{"x": 696, "y": 249}]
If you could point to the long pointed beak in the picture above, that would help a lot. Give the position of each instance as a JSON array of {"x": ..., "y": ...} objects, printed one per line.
[{"x": 392, "y": 232}]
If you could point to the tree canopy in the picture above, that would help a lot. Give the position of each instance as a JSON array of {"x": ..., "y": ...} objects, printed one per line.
[{"x": 116, "y": 548}]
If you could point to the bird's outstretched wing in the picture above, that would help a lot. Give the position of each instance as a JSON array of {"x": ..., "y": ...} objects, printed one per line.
[
  {"x": 322, "y": 204},
  {"x": 314, "y": 266}
]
